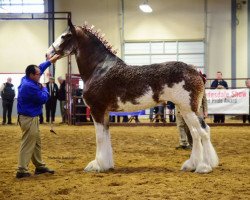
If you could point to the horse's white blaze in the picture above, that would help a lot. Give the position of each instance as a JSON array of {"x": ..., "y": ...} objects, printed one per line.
[
  {"x": 50, "y": 52},
  {"x": 56, "y": 44},
  {"x": 104, "y": 155}
]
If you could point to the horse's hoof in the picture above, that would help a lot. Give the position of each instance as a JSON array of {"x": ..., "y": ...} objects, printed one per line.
[
  {"x": 188, "y": 166},
  {"x": 93, "y": 166},
  {"x": 203, "y": 168}
]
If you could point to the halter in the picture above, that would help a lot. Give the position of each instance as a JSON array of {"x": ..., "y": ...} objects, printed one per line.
[{"x": 58, "y": 51}]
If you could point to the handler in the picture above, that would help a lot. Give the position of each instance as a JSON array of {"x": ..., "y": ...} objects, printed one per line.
[{"x": 31, "y": 96}]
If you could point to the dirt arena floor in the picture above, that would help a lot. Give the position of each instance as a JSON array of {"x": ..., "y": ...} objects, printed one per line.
[{"x": 147, "y": 165}]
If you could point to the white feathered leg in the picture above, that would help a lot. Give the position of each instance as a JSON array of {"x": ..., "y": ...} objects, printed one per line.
[
  {"x": 210, "y": 158},
  {"x": 104, "y": 156},
  {"x": 197, "y": 150},
  {"x": 202, "y": 163}
]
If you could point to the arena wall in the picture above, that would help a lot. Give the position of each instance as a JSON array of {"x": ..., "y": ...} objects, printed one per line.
[
  {"x": 22, "y": 43},
  {"x": 241, "y": 45}
]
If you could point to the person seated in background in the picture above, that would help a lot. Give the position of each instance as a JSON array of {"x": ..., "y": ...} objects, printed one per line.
[
  {"x": 124, "y": 120},
  {"x": 151, "y": 114},
  {"x": 247, "y": 117},
  {"x": 136, "y": 119},
  {"x": 219, "y": 83},
  {"x": 171, "y": 108},
  {"x": 159, "y": 114}
]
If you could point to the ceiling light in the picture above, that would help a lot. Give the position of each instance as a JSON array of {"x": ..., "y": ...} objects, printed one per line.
[{"x": 145, "y": 7}]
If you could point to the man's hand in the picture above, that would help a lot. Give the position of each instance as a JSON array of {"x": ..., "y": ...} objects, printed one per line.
[
  {"x": 54, "y": 58},
  {"x": 220, "y": 87}
]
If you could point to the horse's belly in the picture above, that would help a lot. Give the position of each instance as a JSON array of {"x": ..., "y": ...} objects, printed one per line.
[
  {"x": 144, "y": 102},
  {"x": 176, "y": 94}
]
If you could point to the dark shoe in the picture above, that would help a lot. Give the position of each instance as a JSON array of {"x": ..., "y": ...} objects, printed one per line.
[
  {"x": 184, "y": 147},
  {"x": 187, "y": 147},
  {"x": 3, "y": 123},
  {"x": 10, "y": 123},
  {"x": 22, "y": 174},
  {"x": 44, "y": 170}
]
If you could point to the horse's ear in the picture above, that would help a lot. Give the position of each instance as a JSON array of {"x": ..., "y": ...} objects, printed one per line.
[{"x": 71, "y": 26}]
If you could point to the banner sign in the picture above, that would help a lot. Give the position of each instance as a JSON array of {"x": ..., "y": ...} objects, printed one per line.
[{"x": 231, "y": 101}]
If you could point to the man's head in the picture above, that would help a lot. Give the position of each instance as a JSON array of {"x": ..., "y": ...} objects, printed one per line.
[
  {"x": 219, "y": 75},
  {"x": 33, "y": 72},
  {"x": 248, "y": 83},
  {"x": 60, "y": 79},
  {"x": 9, "y": 80}
]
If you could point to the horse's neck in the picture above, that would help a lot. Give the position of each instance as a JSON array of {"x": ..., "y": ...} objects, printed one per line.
[{"x": 89, "y": 63}]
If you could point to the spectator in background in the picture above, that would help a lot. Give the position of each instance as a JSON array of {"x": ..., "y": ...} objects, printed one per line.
[
  {"x": 247, "y": 117},
  {"x": 8, "y": 95},
  {"x": 151, "y": 114},
  {"x": 219, "y": 83},
  {"x": 62, "y": 97},
  {"x": 51, "y": 103},
  {"x": 171, "y": 108},
  {"x": 159, "y": 114},
  {"x": 41, "y": 118}
]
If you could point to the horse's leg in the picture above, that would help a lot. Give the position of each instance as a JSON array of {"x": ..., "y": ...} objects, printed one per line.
[
  {"x": 209, "y": 154},
  {"x": 197, "y": 150},
  {"x": 104, "y": 157},
  {"x": 202, "y": 163}
]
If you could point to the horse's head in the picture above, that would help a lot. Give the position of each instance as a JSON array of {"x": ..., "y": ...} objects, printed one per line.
[{"x": 65, "y": 44}]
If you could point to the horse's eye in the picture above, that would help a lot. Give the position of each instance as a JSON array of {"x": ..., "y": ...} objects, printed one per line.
[{"x": 66, "y": 36}]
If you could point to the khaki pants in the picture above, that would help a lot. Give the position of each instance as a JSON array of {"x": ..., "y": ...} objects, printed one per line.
[
  {"x": 30, "y": 148},
  {"x": 182, "y": 128}
]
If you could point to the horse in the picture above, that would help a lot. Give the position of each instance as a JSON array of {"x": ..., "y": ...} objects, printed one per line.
[{"x": 110, "y": 85}]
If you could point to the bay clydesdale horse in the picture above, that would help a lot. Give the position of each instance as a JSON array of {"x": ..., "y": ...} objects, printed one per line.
[{"x": 112, "y": 85}]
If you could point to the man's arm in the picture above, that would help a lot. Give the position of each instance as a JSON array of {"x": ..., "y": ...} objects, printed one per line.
[
  {"x": 43, "y": 66},
  {"x": 38, "y": 95}
]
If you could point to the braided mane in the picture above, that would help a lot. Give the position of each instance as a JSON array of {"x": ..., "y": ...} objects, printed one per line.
[{"x": 97, "y": 34}]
